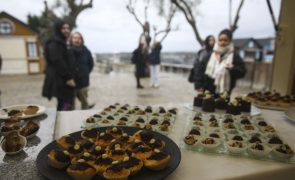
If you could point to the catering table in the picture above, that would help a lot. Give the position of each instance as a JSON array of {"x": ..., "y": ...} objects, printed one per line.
[
  {"x": 23, "y": 165},
  {"x": 193, "y": 165},
  {"x": 196, "y": 165}
]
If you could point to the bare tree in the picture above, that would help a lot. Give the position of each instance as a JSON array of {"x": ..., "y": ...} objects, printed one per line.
[
  {"x": 186, "y": 7},
  {"x": 76, "y": 9},
  {"x": 275, "y": 24},
  {"x": 70, "y": 10},
  {"x": 131, "y": 9},
  {"x": 168, "y": 17},
  {"x": 234, "y": 26}
]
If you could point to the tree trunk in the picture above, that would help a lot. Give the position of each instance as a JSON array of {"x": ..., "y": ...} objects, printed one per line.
[{"x": 186, "y": 10}]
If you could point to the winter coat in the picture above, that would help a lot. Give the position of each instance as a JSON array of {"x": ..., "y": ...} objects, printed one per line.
[
  {"x": 155, "y": 57},
  {"x": 204, "y": 81},
  {"x": 84, "y": 65},
  {"x": 59, "y": 68},
  {"x": 138, "y": 60}
]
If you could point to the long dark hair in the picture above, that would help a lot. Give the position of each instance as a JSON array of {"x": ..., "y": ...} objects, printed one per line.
[{"x": 206, "y": 42}]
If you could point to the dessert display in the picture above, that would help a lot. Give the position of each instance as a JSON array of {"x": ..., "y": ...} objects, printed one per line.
[
  {"x": 236, "y": 146},
  {"x": 81, "y": 170},
  {"x": 13, "y": 143},
  {"x": 65, "y": 142},
  {"x": 198, "y": 100},
  {"x": 59, "y": 159},
  {"x": 245, "y": 104},
  {"x": 158, "y": 160},
  {"x": 247, "y": 136},
  {"x": 283, "y": 151},
  {"x": 272, "y": 100},
  {"x": 9, "y": 128},
  {"x": 29, "y": 110},
  {"x": 222, "y": 101},
  {"x": 234, "y": 108},
  {"x": 210, "y": 143},
  {"x": 258, "y": 149},
  {"x": 132, "y": 164},
  {"x": 30, "y": 129},
  {"x": 158, "y": 119},
  {"x": 12, "y": 121},
  {"x": 208, "y": 104},
  {"x": 114, "y": 154},
  {"x": 21, "y": 111}
]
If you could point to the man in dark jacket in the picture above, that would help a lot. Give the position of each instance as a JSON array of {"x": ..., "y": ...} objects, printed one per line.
[
  {"x": 60, "y": 71},
  {"x": 84, "y": 61}
]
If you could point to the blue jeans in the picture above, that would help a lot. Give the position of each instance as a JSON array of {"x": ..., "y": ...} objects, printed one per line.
[{"x": 154, "y": 70}]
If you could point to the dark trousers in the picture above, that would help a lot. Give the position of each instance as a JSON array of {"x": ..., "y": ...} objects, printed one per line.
[{"x": 65, "y": 104}]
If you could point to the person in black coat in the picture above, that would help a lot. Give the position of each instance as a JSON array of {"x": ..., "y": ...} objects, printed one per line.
[
  {"x": 84, "y": 63},
  {"x": 138, "y": 60},
  {"x": 223, "y": 68},
  {"x": 200, "y": 64},
  {"x": 60, "y": 70}
]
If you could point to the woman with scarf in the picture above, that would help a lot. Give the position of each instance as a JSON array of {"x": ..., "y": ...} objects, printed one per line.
[
  {"x": 84, "y": 65},
  {"x": 224, "y": 67}
]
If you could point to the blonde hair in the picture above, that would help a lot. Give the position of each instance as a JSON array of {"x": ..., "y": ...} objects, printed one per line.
[{"x": 71, "y": 37}]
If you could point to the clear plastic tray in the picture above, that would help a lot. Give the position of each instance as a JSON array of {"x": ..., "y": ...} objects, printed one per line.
[
  {"x": 222, "y": 149},
  {"x": 132, "y": 119}
]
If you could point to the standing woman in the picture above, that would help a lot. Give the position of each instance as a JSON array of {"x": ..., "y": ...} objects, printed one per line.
[
  {"x": 84, "y": 65},
  {"x": 60, "y": 71},
  {"x": 225, "y": 66},
  {"x": 138, "y": 60},
  {"x": 200, "y": 64},
  {"x": 155, "y": 61}
]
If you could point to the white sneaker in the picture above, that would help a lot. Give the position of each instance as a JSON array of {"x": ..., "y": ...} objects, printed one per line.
[{"x": 156, "y": 85}]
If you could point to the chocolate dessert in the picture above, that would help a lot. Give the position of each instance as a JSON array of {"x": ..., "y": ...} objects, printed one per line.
[
  {"x": 208, "y": 104},
  {"x": 198, "y": 100},
  {"x": 233, "y": 108},
  {"x": 222, "y": 101},
  {"x": 275, "y": 140}
]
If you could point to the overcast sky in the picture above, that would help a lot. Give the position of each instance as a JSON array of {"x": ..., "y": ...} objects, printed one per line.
[{"x": 108, "y": 27}]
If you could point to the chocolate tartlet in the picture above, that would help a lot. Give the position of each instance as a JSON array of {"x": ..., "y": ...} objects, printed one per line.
[
  {"x": 81, "y": 170},
  {"x": 158, "y": 160},
  {"x": 116, "y": 171},
  {"x": 58, "y": 159}
]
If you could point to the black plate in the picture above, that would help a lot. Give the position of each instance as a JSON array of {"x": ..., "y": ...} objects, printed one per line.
[{"x": 144, "y": 174}]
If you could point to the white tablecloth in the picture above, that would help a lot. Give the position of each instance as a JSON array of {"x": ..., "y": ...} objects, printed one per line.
[{"x": 196, "y": 165}]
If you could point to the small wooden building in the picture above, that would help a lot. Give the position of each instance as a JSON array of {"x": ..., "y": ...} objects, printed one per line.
[{"x": 19, "y": 47}]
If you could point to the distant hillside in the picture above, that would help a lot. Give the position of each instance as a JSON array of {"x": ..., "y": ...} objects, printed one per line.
[{"x": 166, "y": 57}]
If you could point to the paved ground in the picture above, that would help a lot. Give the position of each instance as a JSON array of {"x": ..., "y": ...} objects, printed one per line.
[{"x": 105, "y": 89}]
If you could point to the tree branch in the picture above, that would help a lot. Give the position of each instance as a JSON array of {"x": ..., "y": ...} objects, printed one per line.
[
  {"x": 76, "y": 10},
  {"x": 186, "y": 10},
  {"x": 131, "y": 10},
  {"x": 235, "y": 25},
  {"x": 272, "y": 15},
  {"x": 167, "y": 30}
]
